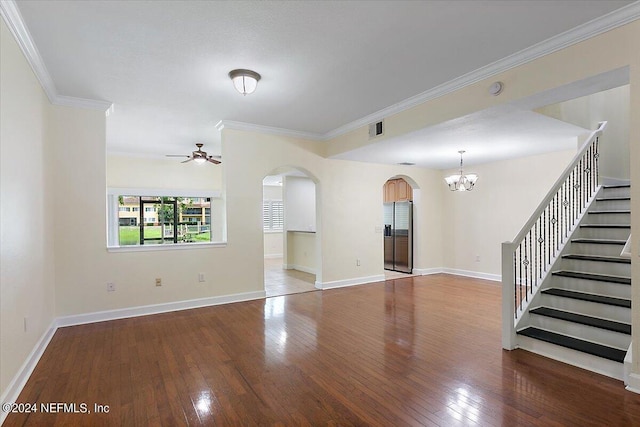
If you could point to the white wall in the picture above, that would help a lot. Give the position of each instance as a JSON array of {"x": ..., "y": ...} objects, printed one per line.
[
  {"x": 505, "y": 196},
  {"x": 299, "y": 204},
  {"x": 612, "y": 106},
  {"x": 26, "y": 214}
]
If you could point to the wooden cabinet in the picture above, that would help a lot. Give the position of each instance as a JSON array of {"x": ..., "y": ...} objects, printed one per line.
[
  {"x": 390, "y": 191},
  {"x": 397, "y": 190},
  {"x": 403, "y": 191}
]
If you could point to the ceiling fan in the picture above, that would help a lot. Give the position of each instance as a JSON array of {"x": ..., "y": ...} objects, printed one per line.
[{"x": 198, "y": 156}]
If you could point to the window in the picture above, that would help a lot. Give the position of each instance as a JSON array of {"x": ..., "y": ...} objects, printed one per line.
[
  {"x": 153, "y": 220},
  {"x": 272, "y": 215}
]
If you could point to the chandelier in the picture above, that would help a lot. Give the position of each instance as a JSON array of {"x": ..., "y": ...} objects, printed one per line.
[{"x": 461, "y": 182}]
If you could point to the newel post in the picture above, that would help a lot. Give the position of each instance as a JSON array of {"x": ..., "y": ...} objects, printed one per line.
[{"x": 508, "y": 298}]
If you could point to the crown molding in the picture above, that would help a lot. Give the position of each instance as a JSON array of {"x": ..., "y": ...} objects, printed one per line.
[
  {"x": 12, "y": 17},
  {"x": 229, "y": 124},
  {"x": 575, "y": 35},
  {"x": 90, "y": 104}
]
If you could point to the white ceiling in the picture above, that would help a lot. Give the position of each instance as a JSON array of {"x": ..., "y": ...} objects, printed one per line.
[
  {"x": 497, "y": 133},
  {"x": 164, "y": 65}
]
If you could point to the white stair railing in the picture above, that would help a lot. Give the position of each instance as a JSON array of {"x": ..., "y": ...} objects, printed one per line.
[{"x": 528, "y": 258}]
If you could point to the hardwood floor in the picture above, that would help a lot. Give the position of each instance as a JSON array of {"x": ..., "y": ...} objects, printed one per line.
[{"x": 413, "y": 351}]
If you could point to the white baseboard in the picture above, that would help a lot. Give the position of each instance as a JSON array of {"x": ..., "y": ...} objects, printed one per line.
[
  {"x": 350, "y": 282},
  {"x": 474, "y": 274},
  {"x": 299, "y": 268},
  {"x": 273, "y": 256},
  {"x": 427, "y": 271},
  {"x": 16, "y": 385},
  {"x": 633, "y": 383},
  {"x": 122, "y": 313}
]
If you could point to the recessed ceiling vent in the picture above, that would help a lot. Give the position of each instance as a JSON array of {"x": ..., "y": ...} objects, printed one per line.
[{"x": 376, "y": 129}]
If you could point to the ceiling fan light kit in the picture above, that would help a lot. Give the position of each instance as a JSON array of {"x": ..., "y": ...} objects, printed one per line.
[
  {"x": 461, "y": 182},
  {"x": 245, "y": 81},
  {"x": 198, "y": 156}
]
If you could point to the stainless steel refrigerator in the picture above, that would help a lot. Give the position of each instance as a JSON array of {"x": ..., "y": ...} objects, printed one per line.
[{"x": 398, "y": 236}]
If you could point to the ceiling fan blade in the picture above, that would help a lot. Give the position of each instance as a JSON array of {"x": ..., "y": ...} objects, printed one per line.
[
  {"x": 188, "y": 160},
  {"x": 177, "y": 155},
  {"x": 214, "y": 161}
]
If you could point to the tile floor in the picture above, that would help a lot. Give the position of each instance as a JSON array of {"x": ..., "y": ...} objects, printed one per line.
[{"x": 279, "y": 281}]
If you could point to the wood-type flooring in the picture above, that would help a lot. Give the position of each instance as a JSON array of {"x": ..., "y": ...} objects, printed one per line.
[{"x": 421, "y": 351}]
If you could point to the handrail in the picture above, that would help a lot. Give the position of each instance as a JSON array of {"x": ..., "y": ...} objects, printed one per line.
[
  {"x": 568, "y": 170},
  {"x": 527, "y": 259}
]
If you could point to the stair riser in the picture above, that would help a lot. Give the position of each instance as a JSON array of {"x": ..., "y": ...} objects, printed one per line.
[
  {"x": 615, "y": 192},
  {"x": 595, "y": 249},
  {"x": 587, "y": 308},
  {"x": 603, "y": 233},
  {"x": 577, "y": 330},
  {"x": 612, "y": 204},
  {"x": 591, "y": 286},
  {"x": 576, "y": 358},
  {"x": 609, "y": 218},
  {"x": 600, "y": 267}
]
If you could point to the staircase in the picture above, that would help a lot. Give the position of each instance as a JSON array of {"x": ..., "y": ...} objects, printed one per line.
[{"x": 581, "y": 313}]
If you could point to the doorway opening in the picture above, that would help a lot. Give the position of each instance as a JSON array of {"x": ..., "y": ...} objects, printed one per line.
[
  {"x": 398, "y": 214},
  {"x": 291, "y": 245}
]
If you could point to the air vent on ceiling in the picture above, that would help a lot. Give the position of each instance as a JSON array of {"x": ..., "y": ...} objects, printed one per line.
[{"x": 376, "y": 129}]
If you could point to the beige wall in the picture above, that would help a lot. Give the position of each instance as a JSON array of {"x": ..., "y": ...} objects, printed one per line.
[
  {"x": 505, "y": 196},
  {"x": 588, "y": 111},
  {"x": 26, "y": 214},
  {"x": 301, "y": 251},
  {"x": 349, "y": 204}
]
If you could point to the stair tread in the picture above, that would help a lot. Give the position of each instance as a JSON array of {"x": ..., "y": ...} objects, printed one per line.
[
  {"x": 610, "y": 325},
  {"x": 612, "y": 211},
  {"x": 585, "y": 296},
  {"x": 600, "y": 241},
  {"x": 603, "y": 199},
  {"x": 593, "y": 276},
  {"x": 602, "y": 258},
  {"x": 594, "y": 349},
  {"x": 617, "y": 186}
]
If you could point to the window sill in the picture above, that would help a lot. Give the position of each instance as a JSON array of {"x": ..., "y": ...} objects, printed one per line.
[
  {"x": 169, "y": 247},
  {"x": 272, "y": 231}
]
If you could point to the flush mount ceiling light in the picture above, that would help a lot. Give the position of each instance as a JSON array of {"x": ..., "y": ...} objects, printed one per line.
[
  {"x": 461, "y": 182},
  {"x": 245, "y": 81}
]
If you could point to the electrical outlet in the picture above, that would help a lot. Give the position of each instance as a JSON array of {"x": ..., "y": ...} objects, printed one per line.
[
  {"x": 200, "y": 277},
  {"x": 158, "y": 281},
  {"x": 25, "y": 323},
  {"x": 111, "y": 287},
  {"x": 477, "y": 258}
]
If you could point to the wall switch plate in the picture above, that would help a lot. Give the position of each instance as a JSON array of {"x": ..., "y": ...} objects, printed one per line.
[
  {"x": 111, "y": 287},
  {"x": 200, "y": 277}
]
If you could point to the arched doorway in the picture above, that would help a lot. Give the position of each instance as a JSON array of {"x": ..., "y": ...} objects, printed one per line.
[
  {"x": 291, "y": 243},
  {"x": 399, "y": 246}
]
